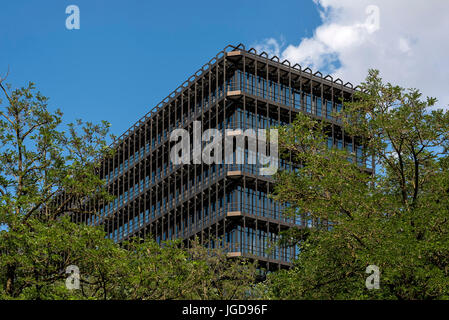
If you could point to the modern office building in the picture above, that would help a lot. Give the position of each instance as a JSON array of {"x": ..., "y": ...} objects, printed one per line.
[{"x": 238, "y": 88}]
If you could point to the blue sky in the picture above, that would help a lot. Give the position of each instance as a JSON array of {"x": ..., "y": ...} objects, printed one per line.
[{"x": 129, "y": 55}]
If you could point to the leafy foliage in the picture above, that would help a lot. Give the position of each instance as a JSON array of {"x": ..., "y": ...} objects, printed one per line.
[
  {"x": 149, "y": 271},
  {"x": 38, "y": 163},
  {"x": 396, "y": 219}
]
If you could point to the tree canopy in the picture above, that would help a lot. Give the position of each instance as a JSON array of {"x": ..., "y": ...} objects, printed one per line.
[
  {"x": 39, "y": 242},
  {"x": 395, "y": 219}
]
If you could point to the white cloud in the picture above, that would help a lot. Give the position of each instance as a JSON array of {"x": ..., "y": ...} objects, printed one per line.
[{"x": 408, "y": 41}]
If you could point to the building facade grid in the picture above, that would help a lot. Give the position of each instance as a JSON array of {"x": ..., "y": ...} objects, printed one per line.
[{"x": 221, "y": 204}]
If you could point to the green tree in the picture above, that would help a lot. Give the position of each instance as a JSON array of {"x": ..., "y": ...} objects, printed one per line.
[
  {"x": 396, "y": 219},
  {"x": 38, "y": 162},
  {"x": 148, "y": 271},
  {"x": 38, "y": 240}
]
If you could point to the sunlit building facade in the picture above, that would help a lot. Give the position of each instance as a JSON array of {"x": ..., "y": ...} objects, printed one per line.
[{"x": 238, "y": 88}]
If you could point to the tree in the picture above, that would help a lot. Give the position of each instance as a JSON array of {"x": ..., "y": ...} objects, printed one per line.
[
  {"x": 396, "y": 219},
  {"x": 149, "y": 271},
  {"x": 38, "y": 162},
  {"x": 39, "y": 241}
]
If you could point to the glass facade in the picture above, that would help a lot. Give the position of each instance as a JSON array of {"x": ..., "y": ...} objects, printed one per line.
[{"x": 155, "y": 198}]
